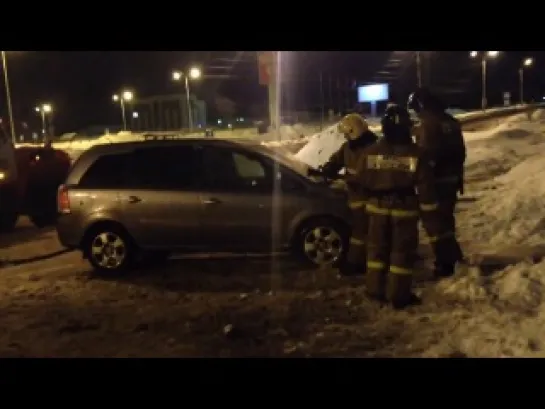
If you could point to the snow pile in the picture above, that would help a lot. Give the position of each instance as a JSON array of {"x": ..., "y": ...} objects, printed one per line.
[
  {"x": 514, "y": 212},
  {"x": 498, "y": 316},
  {"x": 495, "y": 151},
  {"x": 538, "y": 115}
]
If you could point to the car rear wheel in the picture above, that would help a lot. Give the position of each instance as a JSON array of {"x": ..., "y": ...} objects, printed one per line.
[
  {"x": 322, "y": 242},
  {"x": 109, "y": 249}
]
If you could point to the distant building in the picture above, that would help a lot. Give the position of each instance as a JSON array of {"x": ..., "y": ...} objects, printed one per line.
[{"x": 165, "y": 113}]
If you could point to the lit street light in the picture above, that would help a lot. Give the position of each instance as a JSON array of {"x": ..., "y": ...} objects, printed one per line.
[
  {"x": 484, "y": 55},
  {"x": 194, "y": 73},
  {"x": 135, "y": 115},
  {"x": 526, "y": 63},
  {"x": 126, "y": 96},
  {"x": 43, "y": 110},
  {"x": 8, "y": 96}
]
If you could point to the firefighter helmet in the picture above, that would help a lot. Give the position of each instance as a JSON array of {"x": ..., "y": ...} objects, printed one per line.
[
  {"x": 352, "y": 126},
  {"x": 397, "y": 124}
]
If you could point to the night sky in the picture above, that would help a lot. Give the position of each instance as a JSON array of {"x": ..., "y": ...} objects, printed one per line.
[{"x": 80, "y": 84}]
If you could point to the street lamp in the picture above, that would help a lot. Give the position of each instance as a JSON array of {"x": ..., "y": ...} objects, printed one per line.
[
  {"x": 8, "y": 96},
  {"x": 193, "y": 73},
  {"x": 126, "y": 96},
  {"x": 484, "y": 56},
  {"x": 43, "y": 110},
  {"x": 526, "y": 63}
]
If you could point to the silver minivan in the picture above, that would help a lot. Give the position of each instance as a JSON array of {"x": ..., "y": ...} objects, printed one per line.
[{"x": 127, "y": 202}]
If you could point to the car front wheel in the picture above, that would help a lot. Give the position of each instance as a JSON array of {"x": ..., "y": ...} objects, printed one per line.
[
  {"x": 322, "y": 242},
  {"x": 109, "y": 249}
]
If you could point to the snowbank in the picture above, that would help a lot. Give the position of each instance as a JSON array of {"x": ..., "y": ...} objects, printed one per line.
[
  {"x": 498, "y": 149},
  {"x": 497, "y": 316},
  {"x": 514, "y": 211}
]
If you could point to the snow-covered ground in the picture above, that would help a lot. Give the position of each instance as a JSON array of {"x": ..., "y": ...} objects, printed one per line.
[
  {"x": 476, "y": 313},
  {"x": 501, "y": 314}
]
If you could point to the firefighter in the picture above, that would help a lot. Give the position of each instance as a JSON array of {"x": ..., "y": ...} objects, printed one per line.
[
  {"x": 358, "y": 136},
  {"x": 440, "y": 136},
  {"x": 398, "y": 183}
]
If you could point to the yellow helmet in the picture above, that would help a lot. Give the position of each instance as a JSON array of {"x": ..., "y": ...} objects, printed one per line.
[{"x": 353, "y": 126}]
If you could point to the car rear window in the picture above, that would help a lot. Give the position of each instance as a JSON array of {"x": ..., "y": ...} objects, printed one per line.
[{"x": 107, "y": 172}]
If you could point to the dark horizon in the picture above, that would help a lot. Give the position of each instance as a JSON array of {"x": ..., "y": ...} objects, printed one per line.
[{"x": 80, "y": 84}]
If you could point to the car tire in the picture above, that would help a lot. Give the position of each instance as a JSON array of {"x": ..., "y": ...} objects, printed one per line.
[
  {"x": 322, "y": 242},
  {"x": 109, "y": 249}
]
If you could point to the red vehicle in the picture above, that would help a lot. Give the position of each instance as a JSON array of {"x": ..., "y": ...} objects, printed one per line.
[{"x": 29, "y": 178}]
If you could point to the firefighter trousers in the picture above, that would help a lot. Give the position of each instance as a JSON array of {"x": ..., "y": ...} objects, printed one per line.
[
  {"x": 358, "y": 238},
  {"x": 391, "y": 249},
  {"x": 447, "y": 249}
]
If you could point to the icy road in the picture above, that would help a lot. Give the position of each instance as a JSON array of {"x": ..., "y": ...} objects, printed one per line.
[{"x": 275, "y": 307}]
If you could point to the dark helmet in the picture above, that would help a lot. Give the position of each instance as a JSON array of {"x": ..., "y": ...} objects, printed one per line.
[
  {"x": 423, "y": 99},
  {"x": 397, "y": 124}
]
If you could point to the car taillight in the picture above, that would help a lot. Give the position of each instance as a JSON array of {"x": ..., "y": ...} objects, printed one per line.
[{"x": 63, "y": 201}]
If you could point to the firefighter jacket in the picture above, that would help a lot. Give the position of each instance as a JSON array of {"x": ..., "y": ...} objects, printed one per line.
[
  {"x": 440, "y": 137},
  {"x": 402, "y": 173},
  {"x": 348, "y": 157}
]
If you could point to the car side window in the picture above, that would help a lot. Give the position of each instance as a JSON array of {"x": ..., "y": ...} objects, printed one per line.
[
  {"x": 230, "y": 170},
  {"x": 168, "y": 168},
  {"x": 105, "y": 173}
]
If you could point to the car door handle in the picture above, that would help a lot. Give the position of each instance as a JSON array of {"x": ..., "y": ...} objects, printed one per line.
[
  {"x": 211, "y": 201},
  {"x": 134, "y": 199}
]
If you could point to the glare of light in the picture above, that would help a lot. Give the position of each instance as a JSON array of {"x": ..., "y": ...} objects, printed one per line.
[
  {"x": 229, "y": 126},
  {"x": 38, "y": 109},
  {"x": 127, "y": 95},
  {"x": 176, "y": 75},
  {"x": 194, "y": 73},
  {"x": 135, "y": 115},
  {"x": 493, "y": 54},
  {"x": 115, "y": 98},
  {"x": 241, "y": 119},
  {"x": 2, "y": 175},
  {"x": 528, "y": 61},
  {"x": 473, "y": 54},
  {"x": 47, "y": 108},
  {"x": 219, "y": 121}
]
